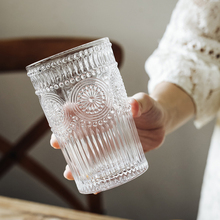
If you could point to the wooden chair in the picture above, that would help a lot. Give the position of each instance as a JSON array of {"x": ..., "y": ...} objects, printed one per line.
[{"x": 16, "y": 54}]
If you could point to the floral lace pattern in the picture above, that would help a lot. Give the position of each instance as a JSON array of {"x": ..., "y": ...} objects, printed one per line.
[{"x": 189, "y": 55}]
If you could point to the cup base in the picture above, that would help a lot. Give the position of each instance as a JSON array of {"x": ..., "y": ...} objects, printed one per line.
[{"x": 103, "y": 184}]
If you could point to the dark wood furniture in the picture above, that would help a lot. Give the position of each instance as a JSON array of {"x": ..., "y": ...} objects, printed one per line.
[{"x": 15, "y": 55}]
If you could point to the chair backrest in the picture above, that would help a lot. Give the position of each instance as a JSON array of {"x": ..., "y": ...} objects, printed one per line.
[{"x": 15, "y": 55}]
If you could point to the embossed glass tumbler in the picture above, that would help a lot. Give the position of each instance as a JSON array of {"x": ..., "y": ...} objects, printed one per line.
[{"x": 83, "y": 97}]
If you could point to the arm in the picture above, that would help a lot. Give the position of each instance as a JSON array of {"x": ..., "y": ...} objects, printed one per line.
[
  {"x": 188, "y": 56},
  {"x": 167, "y": 108}
]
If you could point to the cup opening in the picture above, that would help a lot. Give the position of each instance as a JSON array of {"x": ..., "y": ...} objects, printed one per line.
[{"x": 72, "y": 50}]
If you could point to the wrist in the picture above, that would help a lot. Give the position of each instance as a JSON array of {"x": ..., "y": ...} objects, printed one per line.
[
  {"x": 166, "y": 115},
  {"x": 177, "y": 106},
  {"x": 169, "y": 115}
]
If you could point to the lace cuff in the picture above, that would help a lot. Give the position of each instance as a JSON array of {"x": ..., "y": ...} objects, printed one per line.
[
  {"x": 199, "y": 79},
  {"x": 189, "y": 56}
]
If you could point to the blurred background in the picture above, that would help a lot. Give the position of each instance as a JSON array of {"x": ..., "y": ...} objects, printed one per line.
[{"x": 171, "y": 187}]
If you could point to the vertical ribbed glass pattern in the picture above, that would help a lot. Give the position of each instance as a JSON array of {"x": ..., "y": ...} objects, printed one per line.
[{"x": 83, "y": 97}]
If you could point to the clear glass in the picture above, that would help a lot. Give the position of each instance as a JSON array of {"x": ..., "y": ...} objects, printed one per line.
[{"x": 84, "y": 99}]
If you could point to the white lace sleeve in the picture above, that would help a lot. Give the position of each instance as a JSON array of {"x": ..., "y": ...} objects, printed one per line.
[{"x": 189, "y": 55}]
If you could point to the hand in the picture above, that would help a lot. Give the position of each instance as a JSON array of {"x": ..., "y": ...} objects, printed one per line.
[
  {"x": 149, "y": 117},
  {"x": 149, "y": 120}
]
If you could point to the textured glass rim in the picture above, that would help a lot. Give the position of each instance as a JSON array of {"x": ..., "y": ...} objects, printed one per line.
[{"x": 72, "y": 50}]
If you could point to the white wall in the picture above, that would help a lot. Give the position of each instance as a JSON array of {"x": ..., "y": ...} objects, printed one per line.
[{"x": 171, "y": 186}]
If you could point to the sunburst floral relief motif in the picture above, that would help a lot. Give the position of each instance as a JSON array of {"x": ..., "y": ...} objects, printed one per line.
[
  {"x": 53, "y": 107},
  {"x": 90, "y": 98}
]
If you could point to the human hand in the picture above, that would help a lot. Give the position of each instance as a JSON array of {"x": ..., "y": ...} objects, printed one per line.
[{"x": 149, "y": 119}]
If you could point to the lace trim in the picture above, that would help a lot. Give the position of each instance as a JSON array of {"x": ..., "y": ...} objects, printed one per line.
[
  {"x": 199, "y": 79},
  {"x": 189, "y": 55},
  {"x": 207, "y": 49}
]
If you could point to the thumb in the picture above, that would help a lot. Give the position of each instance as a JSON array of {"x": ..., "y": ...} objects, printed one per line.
[{"x": 140, "y": 103}]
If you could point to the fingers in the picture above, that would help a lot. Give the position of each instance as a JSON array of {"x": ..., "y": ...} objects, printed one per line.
[
  {"x": 135, "y": 108},
  {"x": 140, "y": 103},
  {"x": 68, "y": 109},
  {"x": 67, "y": 173},
  {"x": 54, "y": 142}
]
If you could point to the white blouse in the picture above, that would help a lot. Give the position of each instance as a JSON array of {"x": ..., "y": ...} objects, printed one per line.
[{"x": 188, "y": 55}]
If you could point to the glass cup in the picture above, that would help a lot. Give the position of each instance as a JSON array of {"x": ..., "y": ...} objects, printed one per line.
[{"x": 84, "y": 100}]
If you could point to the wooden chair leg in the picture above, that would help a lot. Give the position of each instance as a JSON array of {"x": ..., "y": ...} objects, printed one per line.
[
  {"x": 95, "y": 203},
  {"x": 26, "y": 142},
  {"x": 42, "y": 174},
  {"x": 17, "y": 154}
]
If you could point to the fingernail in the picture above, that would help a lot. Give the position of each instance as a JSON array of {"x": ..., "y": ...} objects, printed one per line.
[{"x": 130, "y": 100}]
